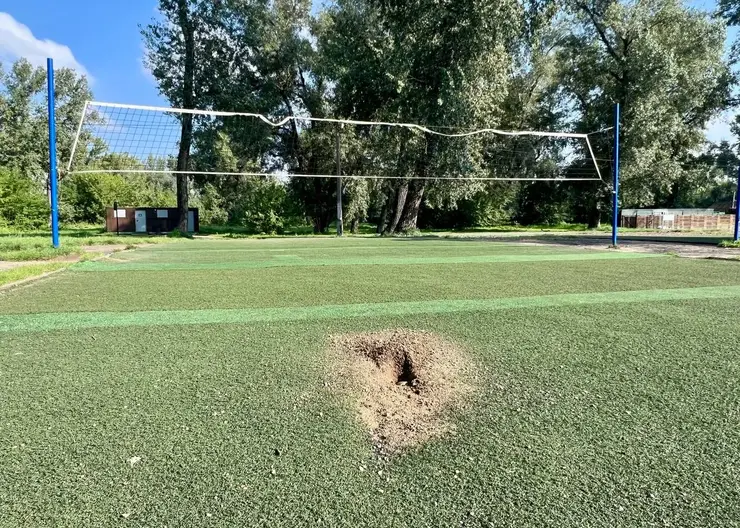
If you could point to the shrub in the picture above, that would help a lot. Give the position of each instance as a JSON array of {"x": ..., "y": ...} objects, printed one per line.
[
  {"x": 262, "y": 207},
  {"x": 22, "y": 203},
  {"x": 84, "y": 197}
]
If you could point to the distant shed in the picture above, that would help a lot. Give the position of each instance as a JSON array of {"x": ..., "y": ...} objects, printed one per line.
[{"x": 147, "y": 220}]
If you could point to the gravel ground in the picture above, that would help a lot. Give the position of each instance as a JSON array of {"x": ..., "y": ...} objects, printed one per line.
[{"x": 678, "y": 247}]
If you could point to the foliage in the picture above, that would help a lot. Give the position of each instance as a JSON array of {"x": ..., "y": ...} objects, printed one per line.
[
  {"x": 263, "y": 207},
  {"x": 24, "y": 145},
  {"x": 538, "y": 65},
  {"x": 211, "y": 206},
  {"x": 665, "y": 64},
  {"x": 85, "y": 197},
  {"x": 22, "y": 202},
  {"x": 730, "y": 244}
]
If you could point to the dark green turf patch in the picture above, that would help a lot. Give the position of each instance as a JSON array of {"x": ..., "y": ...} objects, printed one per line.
[
  {"x": 218, "y": 254},
  {"x": 54, "y": 321},
  {"x": 362, "y": 261},
  {"x": 591, "y": 416}
]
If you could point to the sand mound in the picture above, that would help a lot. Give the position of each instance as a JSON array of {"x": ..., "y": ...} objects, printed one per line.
[{"x": 403, "y": 383}]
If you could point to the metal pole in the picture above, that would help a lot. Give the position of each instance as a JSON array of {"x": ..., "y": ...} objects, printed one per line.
[
  {"x": 737, "y": 208},
  {"x": 615, "y": 192},
  {"x": 52, "y": 155},
  {"x": 338, "y": 160}
]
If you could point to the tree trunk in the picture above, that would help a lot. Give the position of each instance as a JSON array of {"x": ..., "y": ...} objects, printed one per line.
[
  {"x": 417, "y": 187},
  {"x": 401, "y": 194},
  {"x": 383, "y": 218},
  {"x": 413, "y": 203},
  {"x": 355, "y": 226},
  {"x": 188, "y": 101},
  {"x": 594, "y": 216}
]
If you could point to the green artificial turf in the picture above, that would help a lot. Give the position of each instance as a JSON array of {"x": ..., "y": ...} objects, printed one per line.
[
  {"x": 55, "y": 321},
  {"x": 607, "y": 392},
  {"x": 283, "y": 261}
]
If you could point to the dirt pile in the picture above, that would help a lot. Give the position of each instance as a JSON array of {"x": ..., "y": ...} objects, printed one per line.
[{"x": 403, "y": 383}]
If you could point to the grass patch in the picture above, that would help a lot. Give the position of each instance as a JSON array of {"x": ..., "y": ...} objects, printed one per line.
[
  {"x": 25, "y": 272},
  {"x": 23, "y": 246},
  {"x": 21, "y": 249},
  {"x": 730, "y": 244}
]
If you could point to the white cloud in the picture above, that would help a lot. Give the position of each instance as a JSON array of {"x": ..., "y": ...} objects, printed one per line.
[{"x": 17, "y": 40}]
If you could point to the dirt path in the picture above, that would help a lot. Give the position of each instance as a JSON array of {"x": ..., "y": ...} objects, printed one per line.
[
  {"x": 678, "y": 247},
  {"x": 106, "y": 248}
]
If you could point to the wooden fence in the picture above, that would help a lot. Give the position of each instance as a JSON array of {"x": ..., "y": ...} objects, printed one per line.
[{"x": 683, "y": 223}]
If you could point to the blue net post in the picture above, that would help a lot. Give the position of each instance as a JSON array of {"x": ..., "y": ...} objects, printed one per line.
[
  {"x": 53, "y": 192},
  {"x": 737, "y": 208},
  {"x": 615, "y": 192}
]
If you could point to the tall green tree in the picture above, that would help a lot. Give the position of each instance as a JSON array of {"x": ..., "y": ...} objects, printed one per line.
[
  {"x": 665, "y": 63},
  {"x": 24, "y": 145},
  {"x": 442, "y": 64},
  {"x": 177, "y": 47}
]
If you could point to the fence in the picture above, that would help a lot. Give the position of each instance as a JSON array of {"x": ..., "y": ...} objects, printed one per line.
[{"x": 681, "y": 222}]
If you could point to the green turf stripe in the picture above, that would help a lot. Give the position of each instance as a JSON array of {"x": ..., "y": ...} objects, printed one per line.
[
  {"x": 55, "y": 321},
  {"x": 340, "y": 247},
  {"x": 356, "y": 261}
]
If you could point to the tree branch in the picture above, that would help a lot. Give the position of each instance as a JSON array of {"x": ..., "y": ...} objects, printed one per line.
[{"x": 600, "y": 30}]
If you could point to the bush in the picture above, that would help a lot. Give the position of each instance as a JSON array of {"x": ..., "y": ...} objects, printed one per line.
[
  {"x": 22, "y": 204},
  {"x": 262, "y": 207},
  {"x": 210, "y": 206},
  {"x": 84, "y": 197}
]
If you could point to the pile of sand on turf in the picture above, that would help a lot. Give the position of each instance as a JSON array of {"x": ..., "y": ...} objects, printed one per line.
[{"x": 403, "y": 382}]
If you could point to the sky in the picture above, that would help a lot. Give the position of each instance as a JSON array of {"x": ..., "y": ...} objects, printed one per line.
[{"x": 101, "y": 39}]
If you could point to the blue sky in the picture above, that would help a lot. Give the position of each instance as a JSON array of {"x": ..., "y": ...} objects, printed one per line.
[{"x": 101, "y": 38}]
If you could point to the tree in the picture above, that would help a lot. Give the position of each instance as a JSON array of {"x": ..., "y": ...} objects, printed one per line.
[
  {"x": 24, "y": 146},
  {"x": 22, "y": 202},
  {"x": 730, "y": 10},
  {"x": 172, "y": 47},
  {"x": 664, "y": 63},
  {"x": 386, "y": 66},
  {"x": 22, "y": 121}
]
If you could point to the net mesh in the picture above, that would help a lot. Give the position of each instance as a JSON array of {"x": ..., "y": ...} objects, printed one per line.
[{"x": 138, "y": 139}]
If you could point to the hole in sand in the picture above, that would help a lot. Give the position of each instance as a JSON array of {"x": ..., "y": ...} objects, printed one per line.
[
  {"x": 407, "y": 375},
  {"x": 403, "y": 383}
]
